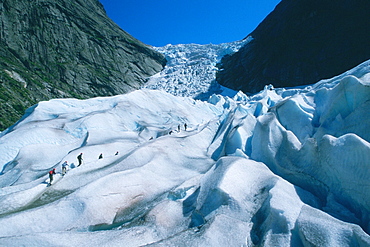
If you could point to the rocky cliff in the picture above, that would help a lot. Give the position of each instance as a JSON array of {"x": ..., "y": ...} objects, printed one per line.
[
  {"x": 63, "y": 48},
  {"x": 301, "y": 42}
]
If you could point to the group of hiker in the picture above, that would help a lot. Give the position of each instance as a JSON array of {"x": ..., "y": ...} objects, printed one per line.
[
  {"x": 65, "y": 166},
  {"x": 179, "y": 128},
  {"x": 64, "y": 169}
]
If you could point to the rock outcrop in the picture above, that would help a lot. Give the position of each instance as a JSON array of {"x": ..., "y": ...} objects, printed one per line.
[
  {"x": 299, "y": 43},
  {"x": 63, "y": 48}
]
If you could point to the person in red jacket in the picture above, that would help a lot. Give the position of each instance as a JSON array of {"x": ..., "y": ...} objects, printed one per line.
[{"x": 51, "y": 174}]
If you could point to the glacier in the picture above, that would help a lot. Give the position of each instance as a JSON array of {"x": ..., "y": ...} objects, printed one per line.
[
  {"x": 283, "y": 167},
  {"x": 191, "y": 69}
]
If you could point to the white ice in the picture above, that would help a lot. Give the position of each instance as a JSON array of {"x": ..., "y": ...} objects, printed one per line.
[
  {"x": 191, "y": 69},
  {"x": 284, "y": 167}
]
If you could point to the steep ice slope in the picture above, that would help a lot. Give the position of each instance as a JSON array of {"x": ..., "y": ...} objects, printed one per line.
[
  {"x": 286, "y": 167},
  {"x": 191, "y": 69}
]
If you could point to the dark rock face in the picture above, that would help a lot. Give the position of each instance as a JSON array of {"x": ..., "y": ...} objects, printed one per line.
[
  {"x": 65, "y": 48},
  {"x": 299, "y": 43}
]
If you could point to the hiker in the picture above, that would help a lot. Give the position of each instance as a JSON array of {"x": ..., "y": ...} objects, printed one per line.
[
  {"x": 51, "y": 173},
  {"x": 185, "y": 126},
  {"x": 79, "y": 157},
  {"x": 170, "y": 132},
  {"x": 116, "y": 153},
  {"x": 178, "y": 128},
  {"x": 64, "y": 168},
  {"x": 100, "y": 156}
]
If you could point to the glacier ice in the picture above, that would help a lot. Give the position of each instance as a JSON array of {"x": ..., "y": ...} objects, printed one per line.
[
  {"x": 191, "y": 69},
  {"x": 284, "y": 167}
]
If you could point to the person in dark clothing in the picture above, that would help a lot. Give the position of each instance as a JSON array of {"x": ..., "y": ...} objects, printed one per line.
[
  {"x": 51, "y": 174},
  {"x": 185, "y": 126},
  {"x": 100, "y": 156},
  {"x": 79, "y": 158}
]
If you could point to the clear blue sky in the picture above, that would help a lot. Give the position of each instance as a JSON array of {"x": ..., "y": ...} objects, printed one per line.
[{"x": 161, "y": 22}]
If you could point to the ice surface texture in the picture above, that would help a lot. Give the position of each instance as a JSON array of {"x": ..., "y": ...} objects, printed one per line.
[{"x": 285, "y": 167}]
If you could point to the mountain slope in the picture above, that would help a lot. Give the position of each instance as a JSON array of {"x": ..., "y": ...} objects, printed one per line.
[
  {"x": 299, "y": 43},
  {"x": 286, "y": 167},
  {"x": 62, "y": 48}
]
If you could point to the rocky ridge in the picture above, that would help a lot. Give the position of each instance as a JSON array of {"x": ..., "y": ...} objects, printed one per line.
[
  {"x": 300, "y": 43},
  {"x": 60, "y": 48}
]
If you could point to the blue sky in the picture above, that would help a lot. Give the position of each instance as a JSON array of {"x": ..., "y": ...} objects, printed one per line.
[{"x": 164, "y": 22}]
